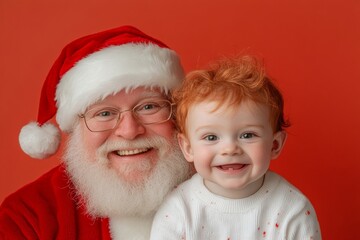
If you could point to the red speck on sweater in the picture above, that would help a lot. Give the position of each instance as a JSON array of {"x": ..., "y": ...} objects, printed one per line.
[
  {"x": 276, "y": 225},
  {"x": 307, "y": 212}
]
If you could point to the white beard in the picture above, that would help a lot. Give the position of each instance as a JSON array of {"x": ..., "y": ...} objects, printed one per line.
[{"x": 105, "y": 194}]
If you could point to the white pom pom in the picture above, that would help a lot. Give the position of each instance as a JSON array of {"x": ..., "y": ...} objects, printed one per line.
[{"x": 39, "y": 141}]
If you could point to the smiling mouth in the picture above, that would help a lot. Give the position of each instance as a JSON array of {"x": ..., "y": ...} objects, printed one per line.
[
  {"x": 231, "y": 167},
  {"x": 132, "y": 152}
]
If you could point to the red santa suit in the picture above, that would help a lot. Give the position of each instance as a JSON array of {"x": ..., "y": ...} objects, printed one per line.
[{"x": 47, "y": 209}]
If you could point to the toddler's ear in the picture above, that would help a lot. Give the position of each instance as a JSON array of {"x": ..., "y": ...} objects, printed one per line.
[
  {"x": 278, "y": 143},
  {"x": 185, "y": 147}
]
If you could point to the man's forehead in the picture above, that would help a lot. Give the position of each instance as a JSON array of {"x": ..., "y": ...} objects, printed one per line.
[
  {"x": 132, "y": 95},
  {"x": 142, "y": 92}
]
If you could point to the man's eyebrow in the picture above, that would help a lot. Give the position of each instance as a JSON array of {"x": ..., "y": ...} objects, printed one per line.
[{"x": 152, "y": 94}]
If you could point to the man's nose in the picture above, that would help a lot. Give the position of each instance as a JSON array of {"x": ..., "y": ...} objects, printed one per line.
[{"x": 129, "y": 127}]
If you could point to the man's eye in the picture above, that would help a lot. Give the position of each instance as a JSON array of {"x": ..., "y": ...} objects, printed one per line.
[
  {"x": 247, "y": 135},
  {"x": 105, "y": 115},
  {"x": 148, "y": 108},
  {"x": 151, "y": 106},
  {"x": 211, "y": 138}
]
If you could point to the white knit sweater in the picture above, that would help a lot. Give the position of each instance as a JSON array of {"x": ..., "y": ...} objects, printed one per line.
[{"x": 277, "y": 211}]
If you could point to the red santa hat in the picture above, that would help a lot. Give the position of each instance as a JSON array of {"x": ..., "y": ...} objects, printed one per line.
[{"x": 91, "y": 68}]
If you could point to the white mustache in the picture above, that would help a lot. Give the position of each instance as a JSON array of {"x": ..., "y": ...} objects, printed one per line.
[
  {"x": 131, "y": 152},
  {"x": 126, "y": 147}
]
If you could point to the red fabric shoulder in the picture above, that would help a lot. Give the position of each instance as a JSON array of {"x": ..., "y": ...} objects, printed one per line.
[{"x": 47, "y": 209}]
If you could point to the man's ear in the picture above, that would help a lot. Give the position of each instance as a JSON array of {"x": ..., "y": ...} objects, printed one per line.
[
  {"x": 185, "y": 147},
  {"x": 278, "y": 143}
]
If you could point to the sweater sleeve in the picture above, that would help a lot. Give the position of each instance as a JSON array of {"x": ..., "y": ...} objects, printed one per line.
[
  {"x": 293, "y": 215},
  {"x": 304, "y": 224}
]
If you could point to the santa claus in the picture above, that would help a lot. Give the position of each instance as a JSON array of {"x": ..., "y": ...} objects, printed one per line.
[{"x": 110, "y": 93}]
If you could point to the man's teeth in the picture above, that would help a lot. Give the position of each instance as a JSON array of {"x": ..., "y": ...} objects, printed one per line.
[{"x": 131, "y": 152}]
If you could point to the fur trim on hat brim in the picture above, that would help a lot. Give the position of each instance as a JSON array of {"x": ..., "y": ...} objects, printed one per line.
[{"x": 111, "y": 70}]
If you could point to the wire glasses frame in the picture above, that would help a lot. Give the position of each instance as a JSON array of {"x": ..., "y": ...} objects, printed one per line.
[{"x": 147, "y": 112}]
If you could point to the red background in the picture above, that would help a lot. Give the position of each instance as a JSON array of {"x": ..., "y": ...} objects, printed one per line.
[{"x": 311, "y": 47}]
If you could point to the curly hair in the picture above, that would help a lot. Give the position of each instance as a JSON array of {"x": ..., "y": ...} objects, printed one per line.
[{"x": 232, "y": 80}]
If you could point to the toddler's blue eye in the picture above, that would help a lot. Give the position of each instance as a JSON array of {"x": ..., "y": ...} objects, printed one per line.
[
  {"x": 211, "y": 138},
  {"x": 247, "y": 135}
]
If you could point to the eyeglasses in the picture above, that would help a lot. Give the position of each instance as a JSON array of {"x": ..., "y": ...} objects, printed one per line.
[{"x": 146, "y": 112}]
